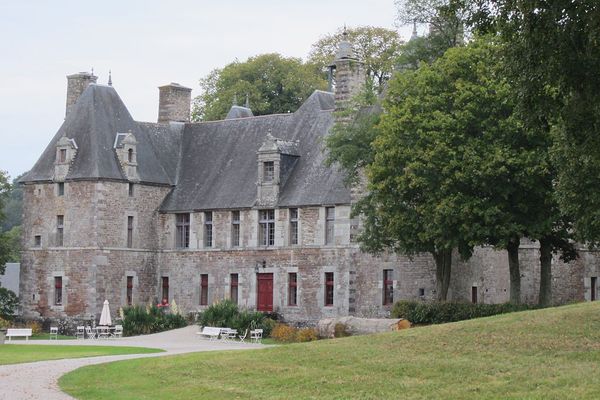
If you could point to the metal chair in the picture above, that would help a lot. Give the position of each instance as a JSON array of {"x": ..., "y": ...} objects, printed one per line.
[
  {"x": 80, "y": 333},
  {"x": 243, "y": 337},
  {"x": 53, "y": 333},
  {"x": 118, "y": 333},
  {"x": 90, "y": 333},
  {"x": 256, "y": 335}
]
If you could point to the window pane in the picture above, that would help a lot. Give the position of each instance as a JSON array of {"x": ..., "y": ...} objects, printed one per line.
[
  {"x": 329, "y": 288},
  {"x": 292, "y": 289},
  {"x": 58, "y": 290},
  {"x": 204, "y": 289},
  {"x": 329, "y": 225},
  {"x": 268, "y": 171},
  {"x": 233, "y": 292}
]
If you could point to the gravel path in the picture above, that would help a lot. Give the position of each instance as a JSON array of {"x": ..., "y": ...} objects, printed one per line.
[{"x": 39, "y": 380}]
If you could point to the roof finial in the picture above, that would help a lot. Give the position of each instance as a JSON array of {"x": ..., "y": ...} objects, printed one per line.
[
  {"x": 247, "y": 105},
  {"x": 345, "y": 33},
  {"x": 109, "y": 78},
  {"x": 92, "y": 71},
  {"x": 235, "y": 99}
]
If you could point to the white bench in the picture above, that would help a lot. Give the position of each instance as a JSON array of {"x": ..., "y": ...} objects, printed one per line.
[
  {"x": 210, "y": 332},
  {"x": 18, "y": 332}
]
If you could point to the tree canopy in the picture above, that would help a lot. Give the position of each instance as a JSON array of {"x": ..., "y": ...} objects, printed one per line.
[
  {"x": 273, "y": 83},
  {"x": 6, "y": 242}
]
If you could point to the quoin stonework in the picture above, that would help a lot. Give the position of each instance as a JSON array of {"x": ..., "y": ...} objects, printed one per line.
[{"x": 244, "y": 208}]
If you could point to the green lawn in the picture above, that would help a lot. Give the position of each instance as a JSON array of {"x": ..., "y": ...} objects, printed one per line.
[
  {"x": 17, "y": 353},
  {"x": 544, "y": 354}
]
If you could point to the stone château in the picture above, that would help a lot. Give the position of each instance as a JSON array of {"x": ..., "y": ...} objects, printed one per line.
[{"x": 244, "y": 208}]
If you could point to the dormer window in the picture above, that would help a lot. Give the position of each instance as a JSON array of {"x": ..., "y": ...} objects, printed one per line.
[
  {"x": 62, "y": 155},
  {"x": 130, "y": 155},
  {"x": 268, "y": 171}
]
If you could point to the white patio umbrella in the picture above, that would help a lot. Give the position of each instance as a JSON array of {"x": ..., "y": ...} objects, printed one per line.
[{"x": 105, "y": 315}]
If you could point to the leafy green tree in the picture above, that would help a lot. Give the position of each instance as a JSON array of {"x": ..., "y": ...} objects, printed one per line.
[
  {"x": 376, "y": 47},
  {"x": 8, "y": 303},
  {"x": 13, "y": 206},
  {"x": 5, "y": 241},
  {"x": 552, "y": 56},
  {"x": 273, "y": 83}
]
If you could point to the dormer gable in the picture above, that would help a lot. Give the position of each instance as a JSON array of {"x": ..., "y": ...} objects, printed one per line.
[
  {"x": 276, "y": 159},
  {"x": 66, "y": 149},
  {"x": 126, "y": 148}
]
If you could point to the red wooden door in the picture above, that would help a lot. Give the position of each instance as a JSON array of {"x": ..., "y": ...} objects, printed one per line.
[{"x": 265, "y": 292}]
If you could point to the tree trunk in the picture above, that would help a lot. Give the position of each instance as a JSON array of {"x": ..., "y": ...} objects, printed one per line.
[
  {"x": 443, "y": 265},
  {"x": 545, "y": 272},
  {"x": 515, "y": 273}
]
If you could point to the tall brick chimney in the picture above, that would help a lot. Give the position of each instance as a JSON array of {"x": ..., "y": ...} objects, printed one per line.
[
  {"x": 349, "y": 74},
  {"x": 76, "y": 84},
  {"x": 174, "y": 103}
]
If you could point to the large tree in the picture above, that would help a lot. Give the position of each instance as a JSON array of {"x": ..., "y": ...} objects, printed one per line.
[
  {"x": 553, "y": 54},
  {"x": 273, "y": 83},
  {"x": 377, "y": 47},
  {"x": 447, "y": 136},
  {"x": 6, "y": 241}
]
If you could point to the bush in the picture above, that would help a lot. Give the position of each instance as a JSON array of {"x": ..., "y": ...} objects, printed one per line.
[
  {"x": 139, "y": 320},
  {"x": 340, "y": 330},
  {"x": 307, "y": 335},
  {"x": 288, "y": 334},
  {"x": 8, "y": 303},
  {"x": 284, "y": 333},
  {"x": 227, "y": 314},
  {"x": 438, "y": 313},
  {"x": 35, "y": 326}
]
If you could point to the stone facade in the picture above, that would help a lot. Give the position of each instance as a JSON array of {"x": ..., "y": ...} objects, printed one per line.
[{"x": 243, "y": 208}]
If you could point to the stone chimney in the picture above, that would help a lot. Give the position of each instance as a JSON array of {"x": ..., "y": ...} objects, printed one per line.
[
  {"x": 76, "y": 84},
  {"x": 349, "y": 74},
  {"x": 174, "y": 103}
]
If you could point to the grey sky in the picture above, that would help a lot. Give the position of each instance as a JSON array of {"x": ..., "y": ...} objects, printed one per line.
[{"x": 146, "y": 44}]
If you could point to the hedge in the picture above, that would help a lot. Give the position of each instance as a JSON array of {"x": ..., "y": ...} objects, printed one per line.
[{"x": 438, "y": 313}]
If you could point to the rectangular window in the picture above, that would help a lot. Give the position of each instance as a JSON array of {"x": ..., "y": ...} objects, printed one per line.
[
  {"x": 594, "y": 284},
  {"x": 61, "y": 188},
  {"x": 131, "y": 189},
  {"x": 328, "y": 288},
  {"x": 165, "y": 288},
  {"x": 182, "y": 231},
  {"x": 60, "y": 225},
  {"x": 233, "y": 288},
  {"x": 421, "y": 292},
  {"x": 293, "y": 226},
  {"x": 129, "y": 290},
  {"x": 266, "y": 228},
  {"x": 58, "y": 291},
  {"x": 208, "y": 229},
  {"x": 268, "y": 171},
  {"x": 130, "y": 232},
  {"x": 292, "y": 289},
  {"x": 204, "y": 289},
  {"x": 388, "y": 287},
  {"x": 474, "y": 294},
  {"x": 329, "y": 225},
  {"x": 235, "y": 228},
  {"x": 62, "y": 155},
  {"x": 37, "y": 241}
]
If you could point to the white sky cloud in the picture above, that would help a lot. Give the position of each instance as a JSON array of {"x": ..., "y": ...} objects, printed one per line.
[{"x": 146, "y": 44}]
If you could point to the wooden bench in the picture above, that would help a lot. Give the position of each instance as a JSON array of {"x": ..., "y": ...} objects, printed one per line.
[
  {"x": 18, "y": 332},
  {"x": 210, "y": 332}
]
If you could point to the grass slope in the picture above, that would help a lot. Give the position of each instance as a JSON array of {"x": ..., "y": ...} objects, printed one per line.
[
  {"x": 544, "y": 354},
  {"x": 16, "y": 354}
]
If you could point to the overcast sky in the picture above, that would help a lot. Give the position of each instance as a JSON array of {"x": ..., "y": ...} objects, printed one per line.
[{"x": 145, "y": 44}]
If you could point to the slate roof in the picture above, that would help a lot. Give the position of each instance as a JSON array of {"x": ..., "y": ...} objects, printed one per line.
[
  {"x": 95, "y": 119},
  {"x": 212, "y": 165}
]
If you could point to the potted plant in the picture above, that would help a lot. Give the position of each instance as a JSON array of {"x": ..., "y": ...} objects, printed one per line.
[{"x": 4, "y": 324}]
